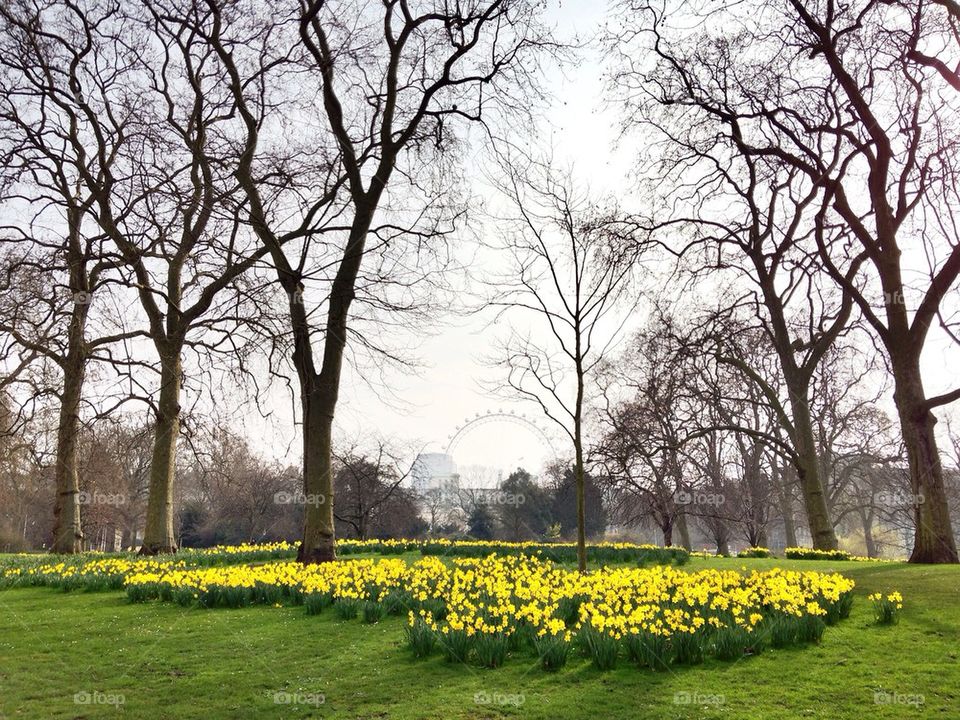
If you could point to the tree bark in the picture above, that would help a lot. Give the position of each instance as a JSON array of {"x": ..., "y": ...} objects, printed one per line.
[
  {"x": 321, "y": 391},
  {"x": 808, "y": 472},
  {"x": 578, "y": 473},
  {"x": 578, "y": 451},
  {"x": 318, "y": 532},
  {"x": 67, "y": 529},
  {"x": 158, "y": 535},
  {"x": 761, "y": 538},
  {"x": 933, "y": 536},
  {"x": 868, "y": 541},
  {"x": 667, "y": 530},
  {"x": 786, "y": 507},
  {"x": 67, "y": 526}
]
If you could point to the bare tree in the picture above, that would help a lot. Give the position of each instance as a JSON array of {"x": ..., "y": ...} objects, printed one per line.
[
  {"x": 55, "y": 261},
  {"x": 569, "y": 279},
  {"x": 752, "y": 222},
  {"x": 229, "y": 493},
  {"x": 368, "y": 486},
  {"x": 644, "y": 426},
  {"x": 149, "y": 145}
]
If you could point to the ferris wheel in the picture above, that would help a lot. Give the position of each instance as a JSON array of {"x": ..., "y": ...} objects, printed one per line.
[{"x": 469, "y": 425}]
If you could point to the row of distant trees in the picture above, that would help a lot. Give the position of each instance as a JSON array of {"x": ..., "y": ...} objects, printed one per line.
[
  {"x": 226, "y": 491},
  {"x": 660, "y": 473},
  {"x": 689, "y": 446},
  {"x": 528, "y": 508}
]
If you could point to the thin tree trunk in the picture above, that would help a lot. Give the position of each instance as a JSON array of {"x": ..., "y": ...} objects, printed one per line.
[
  {"x": 578, "y": 449},
  {"x": 871, "y": 545},
  {"x": 789, "y": 526},
  {"x": 684, "y": 531},
  {"x": 933, "y": 536},
  {"x": 761, "y": 537},
  {"x": 581, "y": 504},
  {"x": 67, "y": 528},
  {"x": 158, "y": 535},
  {"x": 786, "y": 507}
]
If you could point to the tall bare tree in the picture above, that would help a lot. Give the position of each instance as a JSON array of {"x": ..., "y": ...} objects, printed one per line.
[
  {"x": 391, "y": 87},
  {"x": 569, "y": 282},
  {"x": 149, "y": 144},
  {"x": 55, "y": 261}
]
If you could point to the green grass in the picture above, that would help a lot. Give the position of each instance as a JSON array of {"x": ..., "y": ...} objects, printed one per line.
[{"x": 172, "y": 662}]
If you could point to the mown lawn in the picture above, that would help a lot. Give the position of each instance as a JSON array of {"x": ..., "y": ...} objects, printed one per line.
[{"x": 164, "y": 661}]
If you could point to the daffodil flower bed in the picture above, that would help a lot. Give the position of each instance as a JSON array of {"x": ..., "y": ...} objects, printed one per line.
[
  {"x": 244, "y": 552},
  {"x": 481, "y": 610},
  {"x": 597, "y": 553},
  {"x": 802, "y": 553},
  {"x": 99, "y": 571},
  {"x": 81, "y": 572},
  {"x": 755, "y": 552}
]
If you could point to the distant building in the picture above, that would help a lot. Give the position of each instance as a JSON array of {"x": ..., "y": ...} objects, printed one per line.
[{"x": 434, "y": 471}]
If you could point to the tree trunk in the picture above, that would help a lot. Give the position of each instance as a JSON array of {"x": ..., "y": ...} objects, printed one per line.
[
  {"x": 158, "y": 535},
  {"x": 684, "y": 532},
  {"x": 808, "y": 473},
  {"x": 667, "y": 530},
  {"x": 762, "y": 538},
  {"x": 320, "y": 392},
  {"x": 786, "y": 504},
  {"x": 789, "y": 527},
  {"x": 318, "y": 541},
  {"x": 578, "y": 453},
  {"x": 933, "y": 536},
  {"x": 871, "y": 545},
  {"x": 581, "y": 505},
  {"x": 67, "y": 529}
]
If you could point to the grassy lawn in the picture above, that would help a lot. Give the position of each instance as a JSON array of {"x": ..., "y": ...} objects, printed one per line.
[{"x": 172, "y": 662}]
